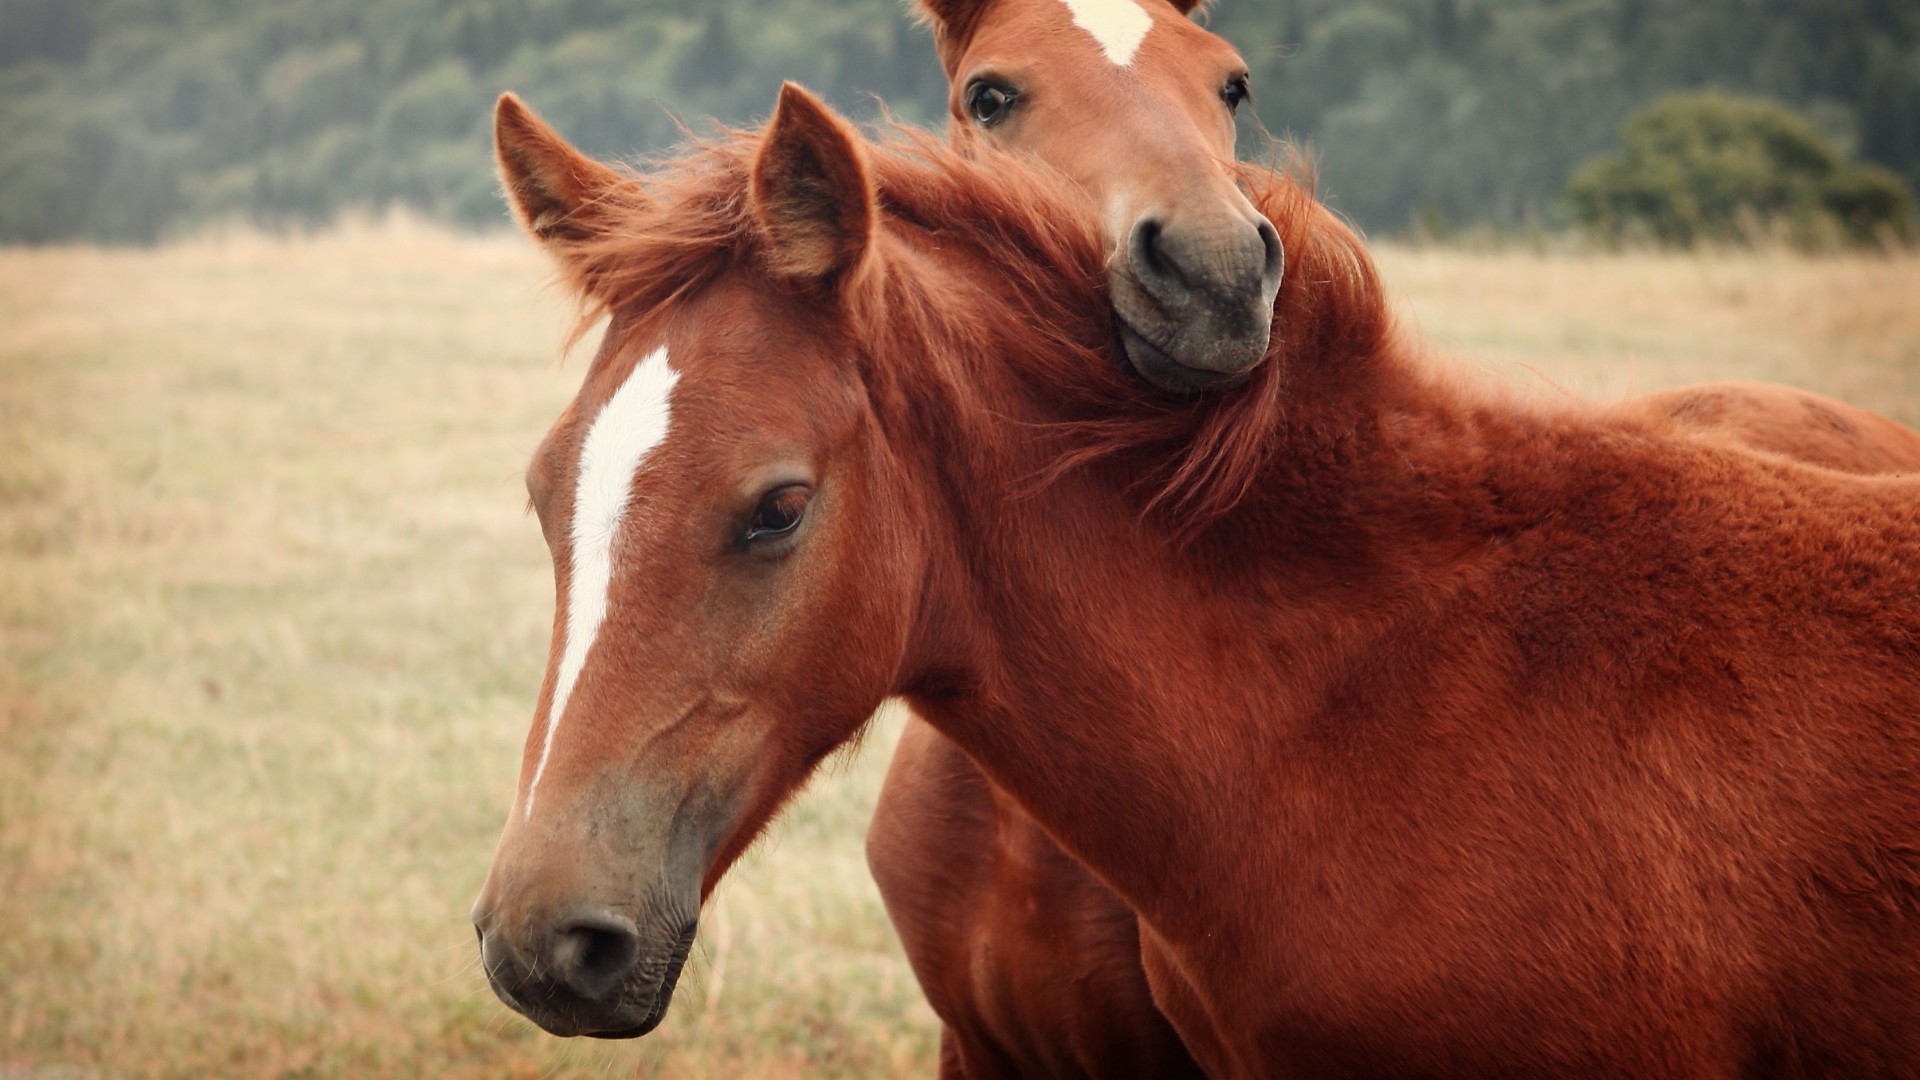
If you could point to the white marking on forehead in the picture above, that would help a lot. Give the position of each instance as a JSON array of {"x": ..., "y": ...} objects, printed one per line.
[
  {"x": 631, "y": 423},
  {"x": 1118, "y": 25}
]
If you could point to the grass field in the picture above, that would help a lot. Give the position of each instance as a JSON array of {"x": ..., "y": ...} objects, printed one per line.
[{"x": 271, "y": 623}]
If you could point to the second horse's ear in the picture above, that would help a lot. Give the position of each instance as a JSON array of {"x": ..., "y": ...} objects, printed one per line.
[
  {"x": 952, "y": 22},
  {"x": 555, "y": 191},
  {"x": 812, "y": 194}
]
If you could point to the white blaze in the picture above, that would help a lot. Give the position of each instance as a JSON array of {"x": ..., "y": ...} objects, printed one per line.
[
  {"x": 1118, "y": 25},
  {"x": 632, "y": 422}
]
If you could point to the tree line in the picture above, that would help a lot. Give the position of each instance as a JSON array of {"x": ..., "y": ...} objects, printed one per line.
[{"x": 131, "y": 119}]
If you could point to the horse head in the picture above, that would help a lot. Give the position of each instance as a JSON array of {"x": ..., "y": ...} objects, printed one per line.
[
  {"x": 713, "y": 498},
  {"x": 1135, "y": 102}
]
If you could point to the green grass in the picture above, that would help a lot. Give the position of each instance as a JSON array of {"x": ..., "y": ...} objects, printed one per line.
[{"x": 272, "y": 620}]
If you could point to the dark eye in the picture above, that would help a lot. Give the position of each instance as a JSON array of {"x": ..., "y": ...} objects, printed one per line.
[
  {"x": 989, "y": 104},
  {"x": 1235, "y": 92},
  {"x": 778, "y": 514}
]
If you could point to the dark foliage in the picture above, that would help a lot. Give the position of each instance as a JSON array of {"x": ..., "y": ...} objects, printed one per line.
[
  {"x": 1708, "y": 166},
  {"x": 125, "y": 120}
]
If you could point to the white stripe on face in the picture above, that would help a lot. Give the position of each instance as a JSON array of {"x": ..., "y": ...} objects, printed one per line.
[
  {"x": 1118, "y": 25},
  {"x": 631, "y": 423}
]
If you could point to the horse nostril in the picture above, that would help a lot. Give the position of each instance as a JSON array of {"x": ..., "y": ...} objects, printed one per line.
[
  {"x": 593, "y": 953},
  {"x": 1276, "y": 254},
  {"x": 1144, "y": 249}
]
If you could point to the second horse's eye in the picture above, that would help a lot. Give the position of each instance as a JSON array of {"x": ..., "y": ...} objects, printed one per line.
[
  {"x": 778, "y": 514},
  {"x": 989, "y": 104},
  {"x": 1235, "y": 92}
]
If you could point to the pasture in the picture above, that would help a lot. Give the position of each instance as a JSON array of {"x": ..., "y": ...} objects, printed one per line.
[{"x": 272, "y": 622}]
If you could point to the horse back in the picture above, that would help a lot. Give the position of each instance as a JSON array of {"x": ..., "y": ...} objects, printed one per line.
[{"x": 1792, "y": 422}]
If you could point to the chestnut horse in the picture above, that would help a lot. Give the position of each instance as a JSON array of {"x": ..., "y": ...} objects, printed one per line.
[
  {"x": 1030, "y": 961},
  {"x": 1428, "y": 731}
]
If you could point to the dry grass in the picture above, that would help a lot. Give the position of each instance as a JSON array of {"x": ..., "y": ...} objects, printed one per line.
[
  {"x": 271, "y": 622},
  {"x": 1609, "y": 326}
]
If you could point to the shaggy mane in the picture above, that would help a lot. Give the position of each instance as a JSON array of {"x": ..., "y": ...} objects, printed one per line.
[{"x": 679, "y": 224}]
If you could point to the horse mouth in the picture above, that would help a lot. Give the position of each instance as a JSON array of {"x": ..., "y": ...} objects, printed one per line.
[
  {"x": 662, "y": 993},
  {"x": 1161, "y": 370}
]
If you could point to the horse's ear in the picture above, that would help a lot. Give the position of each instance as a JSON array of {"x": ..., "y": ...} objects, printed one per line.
[
  {"x": 952, "y": 20},
  {"x": 811, "y": 192},
  {"x": 555, "y": 190}
]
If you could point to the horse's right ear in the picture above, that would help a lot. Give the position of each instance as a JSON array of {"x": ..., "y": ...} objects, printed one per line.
[
  {"x": 952, "y": 22},
  {"x": 556, "y": 191},
  {"x": 811, "y": 192}
]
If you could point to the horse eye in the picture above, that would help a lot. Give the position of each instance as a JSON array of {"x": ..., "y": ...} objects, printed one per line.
[
  {"x": 989, "y": 104},
  {"x": 1235, "y": 92},
  {"x": 778, "y": 514}
]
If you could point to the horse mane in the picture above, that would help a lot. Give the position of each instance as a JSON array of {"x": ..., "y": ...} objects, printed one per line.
[
  {"x": 677, "y": 225},
  {"x": 1197, "y": 460}
]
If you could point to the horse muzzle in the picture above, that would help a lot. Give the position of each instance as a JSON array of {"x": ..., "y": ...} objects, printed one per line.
[
  {"x": 592, "y": 972},
  {"x": 1194, "y": 299},
  {"x": 586, "y": 919}
]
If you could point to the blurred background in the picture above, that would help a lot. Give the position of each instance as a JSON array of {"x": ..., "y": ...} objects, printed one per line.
[
  {"x": 272, "y": 619},
  {"x": 135, "y": 119}
]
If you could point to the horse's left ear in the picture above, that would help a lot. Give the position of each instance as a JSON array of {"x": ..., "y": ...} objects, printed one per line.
[
  {"x": 555, "y": 191},
  {"x": 811, "y": 193}
]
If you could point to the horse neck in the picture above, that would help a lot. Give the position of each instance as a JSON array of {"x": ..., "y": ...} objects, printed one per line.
[{"x": 1087, "y": 657}]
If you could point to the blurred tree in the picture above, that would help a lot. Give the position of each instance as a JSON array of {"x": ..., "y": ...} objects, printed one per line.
[
  {"x": 712, "y": 57},
  {"x": 1454, "y": 111},
  {"x": 1711, "y": 166},
  {"x": 45, "y": 29}
]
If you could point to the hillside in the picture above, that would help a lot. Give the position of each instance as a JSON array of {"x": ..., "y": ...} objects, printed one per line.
[{"x": 130, "y": 119}]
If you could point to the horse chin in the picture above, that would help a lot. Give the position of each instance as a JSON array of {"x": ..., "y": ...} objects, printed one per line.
[{"x": 1164, "y": 372}]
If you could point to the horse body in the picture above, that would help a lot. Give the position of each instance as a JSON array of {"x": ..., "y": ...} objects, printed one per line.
[
  {"x": 1427, "y": 732},
  {"x": 1523, "y": 753},
  {"x": 1517, "y": 808},
  {"x": 978, "y": 892}
]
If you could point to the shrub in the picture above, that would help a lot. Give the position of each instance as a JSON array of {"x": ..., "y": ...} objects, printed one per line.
[{"x": 1713, "y": 167}]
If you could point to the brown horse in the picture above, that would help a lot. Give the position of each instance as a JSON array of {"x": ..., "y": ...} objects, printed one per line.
[
  {"x": 1428, "y": 731},
  {"x": 1031, "y": 962}
]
